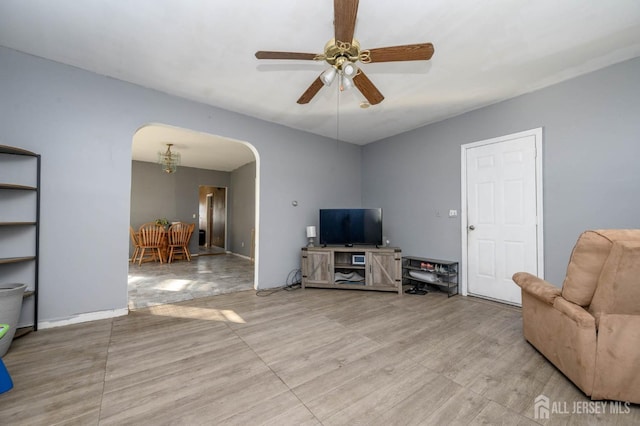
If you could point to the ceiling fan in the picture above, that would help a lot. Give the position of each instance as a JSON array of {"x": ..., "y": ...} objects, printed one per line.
[{"x": 343, "y": 51}]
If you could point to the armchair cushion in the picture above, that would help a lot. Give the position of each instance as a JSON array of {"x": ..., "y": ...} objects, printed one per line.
[
  {"x": 618, "y": 289},
  {"x": 585, "y": 264}
]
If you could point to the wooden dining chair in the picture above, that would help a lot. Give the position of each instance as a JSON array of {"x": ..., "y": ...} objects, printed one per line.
[
  {"x": 191, "y": 228},
  {"x": 151, "y": 237},
  {"x": 179, "y": 235},
  {"x": 136, "y": 244}
]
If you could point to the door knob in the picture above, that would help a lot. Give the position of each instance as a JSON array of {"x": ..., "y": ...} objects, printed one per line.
[{"x": 471, "y": 228}]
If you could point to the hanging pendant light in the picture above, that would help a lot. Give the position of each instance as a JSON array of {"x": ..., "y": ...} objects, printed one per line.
[{"x": 169, "y": 160}]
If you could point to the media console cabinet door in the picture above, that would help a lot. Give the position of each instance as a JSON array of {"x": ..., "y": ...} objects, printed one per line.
[
  {"x": 384, "y": 269},
  {"x": 316, "y": 267}
]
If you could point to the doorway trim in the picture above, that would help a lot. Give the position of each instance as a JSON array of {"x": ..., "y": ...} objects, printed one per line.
[
  {"x": 207, "y": 207},
  {"x": 537, "y": 134}
]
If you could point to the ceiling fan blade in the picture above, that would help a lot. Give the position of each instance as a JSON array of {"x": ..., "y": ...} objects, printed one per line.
[
  {"x": 311, "y": 91},
  {"x": 408, "y": 52},
  {"x": 367, "y": 88},
  {"x": 264, "y": 54},
  {"x": 345, "y": 12}
]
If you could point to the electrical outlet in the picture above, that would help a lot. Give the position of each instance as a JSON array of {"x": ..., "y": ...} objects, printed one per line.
[{"x": 453, "y": 213}]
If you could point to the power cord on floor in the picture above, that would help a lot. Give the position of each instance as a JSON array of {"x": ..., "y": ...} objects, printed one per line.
[{"x": 293, "y": 282}]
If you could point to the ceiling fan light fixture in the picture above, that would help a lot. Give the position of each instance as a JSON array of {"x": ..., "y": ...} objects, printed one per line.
[
  {"x": 169, "y": 161},
  {"x": 345, "y": 83},
  {"x": 343, "y": 52},
  {"x": 349, "y": 69},
  {"x": 328, "y": 76}
]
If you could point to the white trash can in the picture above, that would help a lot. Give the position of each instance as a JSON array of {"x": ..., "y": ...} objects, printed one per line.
[{"x": 10, "y": 306}]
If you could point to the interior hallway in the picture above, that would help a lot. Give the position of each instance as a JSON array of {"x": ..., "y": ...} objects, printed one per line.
[{"x": 153, "y": 283}]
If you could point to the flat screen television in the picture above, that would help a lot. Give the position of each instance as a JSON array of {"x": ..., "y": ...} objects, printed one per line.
[{"x": 351, "y": 227}]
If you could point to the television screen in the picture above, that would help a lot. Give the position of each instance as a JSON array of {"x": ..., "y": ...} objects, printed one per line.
[{"x": 351, "y": 226}]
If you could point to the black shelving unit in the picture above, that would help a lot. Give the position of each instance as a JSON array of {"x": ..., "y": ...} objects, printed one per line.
[
  {"x": 422, "y": 272},
  {"x": 15, "y": 226}
]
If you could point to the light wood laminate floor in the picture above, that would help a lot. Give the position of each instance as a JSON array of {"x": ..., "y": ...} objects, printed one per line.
[{"x": 304, "y": 357}]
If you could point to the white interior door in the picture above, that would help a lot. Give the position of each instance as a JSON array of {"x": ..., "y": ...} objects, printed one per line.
[{"x": 503, "y": 208}]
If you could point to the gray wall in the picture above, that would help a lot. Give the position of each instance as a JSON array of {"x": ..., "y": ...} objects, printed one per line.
[
  {"x": 156, "y": 194},
  {"x": 242, "y": 209},
  {"x": 83, "y": 125},
  {"x": 590, "y": 166}
]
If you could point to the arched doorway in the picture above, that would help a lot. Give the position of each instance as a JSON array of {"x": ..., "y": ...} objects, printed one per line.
[{"x": 205, "y": 160}]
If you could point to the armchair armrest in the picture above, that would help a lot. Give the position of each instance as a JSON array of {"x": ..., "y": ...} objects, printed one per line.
[
  {"x": 537, "y": 287},
  {"x": 576, "y": 312}
]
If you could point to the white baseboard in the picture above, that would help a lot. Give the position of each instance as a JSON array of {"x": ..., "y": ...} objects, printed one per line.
[
  {"x": 80, "y": 318},
  {"x": 239, "y": 255},
  {"x": 226, "y": 252}
]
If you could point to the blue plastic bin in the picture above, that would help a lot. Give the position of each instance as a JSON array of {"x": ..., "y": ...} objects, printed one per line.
[{"x": 5, "y": 379}]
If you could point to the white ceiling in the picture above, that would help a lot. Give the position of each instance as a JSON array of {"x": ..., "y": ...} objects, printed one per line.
[{"x": 485, "y": 51}]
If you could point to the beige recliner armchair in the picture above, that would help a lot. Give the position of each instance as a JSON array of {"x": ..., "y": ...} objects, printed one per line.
[{"x": 590, "y": 329}]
